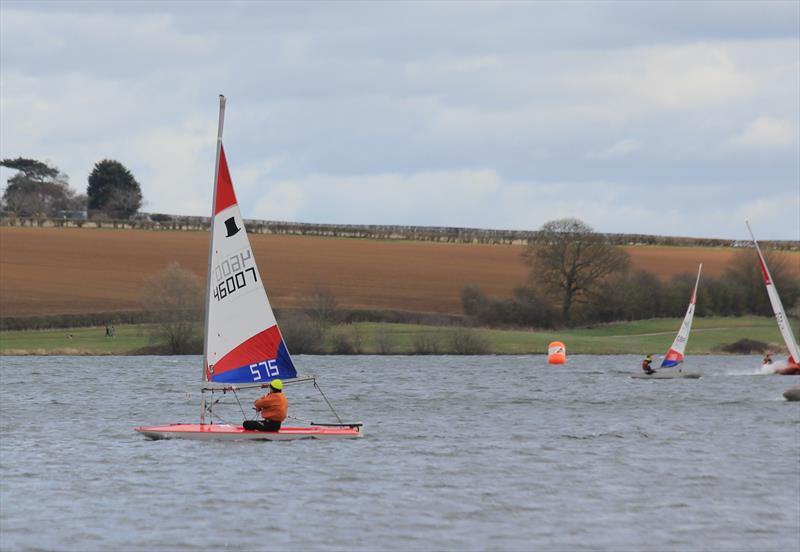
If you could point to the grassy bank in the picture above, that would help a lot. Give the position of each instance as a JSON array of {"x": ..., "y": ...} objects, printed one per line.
[
  {"x": 75, "y": 341},
  {"x": 646, "y": 336}
]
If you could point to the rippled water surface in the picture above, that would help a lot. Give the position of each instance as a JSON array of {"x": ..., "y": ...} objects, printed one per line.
[{"x": 459, "y": 453}]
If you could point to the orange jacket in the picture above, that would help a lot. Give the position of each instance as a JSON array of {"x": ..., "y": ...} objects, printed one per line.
[{"x": 273, "y": 406}]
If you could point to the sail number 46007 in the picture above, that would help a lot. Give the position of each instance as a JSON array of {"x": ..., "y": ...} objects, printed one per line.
[{"x": 231, "y": 274}]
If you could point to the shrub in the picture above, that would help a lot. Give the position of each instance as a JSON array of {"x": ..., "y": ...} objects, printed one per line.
[
  {"x": 526, "y": 307},
  {"x": 347, "y": 342},
  {"x": 744, "y": 347},
  {"x": 466, "y": 341},
  {"x": 341, "y": 344},
  {"x": 383, "y": 341},
  {"x": 175, "y": 299},
  {"x": 427, "y": 344},
  {"x": 301, "y": 334},
  {"x": 473, "y": 300}
]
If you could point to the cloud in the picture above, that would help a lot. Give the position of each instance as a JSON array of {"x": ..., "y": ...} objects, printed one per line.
[
  {"x": 519, "y": 113},
  {"x": 483, "y": 199},
  {"x": 620, "y": 149},
  {"x": 766, "y": 133}
]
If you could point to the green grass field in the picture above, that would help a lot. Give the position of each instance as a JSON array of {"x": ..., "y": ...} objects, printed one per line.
[
  {"x": 74, "y": 341},
  {"x": 646, "y": 336}
]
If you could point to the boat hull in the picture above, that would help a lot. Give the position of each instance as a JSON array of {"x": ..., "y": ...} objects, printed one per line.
[
  {"x": 661, "y": 375},
  {"x": 225, "y": 432},
  {"x": 788, "y": 371}
]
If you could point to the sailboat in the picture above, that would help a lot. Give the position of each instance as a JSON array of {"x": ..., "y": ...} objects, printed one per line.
[
  {"x": 675, "y": 354},
  {"x": 790, "y": 366},
  {"x": 243, "y": 346}
]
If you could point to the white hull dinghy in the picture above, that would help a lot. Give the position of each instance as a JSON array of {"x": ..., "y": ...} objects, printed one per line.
[
  {"x": 668, "y": 375},
  {"x": 790, "y": 367},
  {"x": 243, "y": 346},
  {"x": 675, "y": 354}
]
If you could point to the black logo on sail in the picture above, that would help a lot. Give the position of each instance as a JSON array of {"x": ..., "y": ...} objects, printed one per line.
[{"x": 230, "y": 224}]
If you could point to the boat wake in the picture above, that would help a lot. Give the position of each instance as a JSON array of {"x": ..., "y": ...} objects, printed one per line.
[
  {"x": 778, "y": 367},
  {"x": 769, "y": 369}
]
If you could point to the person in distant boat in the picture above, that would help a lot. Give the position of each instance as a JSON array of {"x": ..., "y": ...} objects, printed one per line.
[
  {"x": 273, "y": 408},
  {"x": 646, "y": 365},
  {"x": 767, "y": 359}
]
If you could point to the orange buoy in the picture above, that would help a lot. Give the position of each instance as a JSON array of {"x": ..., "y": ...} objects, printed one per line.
[{"x": 556, "y": 353}]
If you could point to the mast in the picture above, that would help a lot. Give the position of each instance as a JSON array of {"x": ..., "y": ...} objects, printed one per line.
[
  {"x": 210, "y": 253},
  {"x": 696, "y": 283}
]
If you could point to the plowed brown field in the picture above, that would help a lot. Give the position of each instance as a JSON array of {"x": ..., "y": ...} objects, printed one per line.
[{"x": 59, "y": 271}]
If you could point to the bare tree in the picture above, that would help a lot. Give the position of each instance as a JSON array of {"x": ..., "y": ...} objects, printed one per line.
[
  {"x": 571, "y": 260},
  {"x": 322, "y": 307},
  {"x": 175, "y": 299}
]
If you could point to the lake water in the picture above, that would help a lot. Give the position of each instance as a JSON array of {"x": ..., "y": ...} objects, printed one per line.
[{"x": 459, "y": 453}]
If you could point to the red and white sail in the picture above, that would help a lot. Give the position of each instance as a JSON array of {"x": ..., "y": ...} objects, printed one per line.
[
  {"x": 242, "y": 341},
  {"x": 777, "y": 306},
  {"x": 675, "y": 355}
]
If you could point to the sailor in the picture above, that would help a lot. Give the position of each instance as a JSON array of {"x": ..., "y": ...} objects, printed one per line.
[
  {"x": 648, "y": 360},
  {"x": 767, "y": 359},
  {"x": 273, "y": 408}
]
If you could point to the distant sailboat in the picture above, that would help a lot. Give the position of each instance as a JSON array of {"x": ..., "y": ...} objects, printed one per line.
[
  {"x": 675, "y": 354},
  {"x": 243, "y": 346},
  {"x": 790, "y": 366}
]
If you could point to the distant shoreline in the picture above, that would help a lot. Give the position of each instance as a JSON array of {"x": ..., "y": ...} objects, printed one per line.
[{"x": 379, "y": 338}]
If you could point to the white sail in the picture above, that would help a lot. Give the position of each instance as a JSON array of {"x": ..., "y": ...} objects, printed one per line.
[
  {"x": 777, "y": 306},
  {"x": 675, "y": 355},
  {"x": 242, "y": 339}
]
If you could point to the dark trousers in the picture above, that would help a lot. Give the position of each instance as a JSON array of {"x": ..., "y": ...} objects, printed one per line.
[{"x": 261, "y": 425}]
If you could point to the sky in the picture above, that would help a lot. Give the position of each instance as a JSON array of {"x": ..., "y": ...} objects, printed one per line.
[{"x": 668, "y": 118}]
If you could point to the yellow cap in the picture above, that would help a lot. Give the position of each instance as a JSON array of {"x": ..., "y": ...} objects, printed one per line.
[{"x": 276, "y": 384}]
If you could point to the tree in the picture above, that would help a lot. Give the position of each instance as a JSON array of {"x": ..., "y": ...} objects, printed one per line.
[
  {"x": 38, "y": 189},
  {"x": 175, "y": 300},
  {"x": 472, "y": 299},
  {"x": 571, "y": 261},
  {"x": 113, "y": 190},
  {"x": 744, "y": 275},
  {"x": 323, "y": 307}
]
